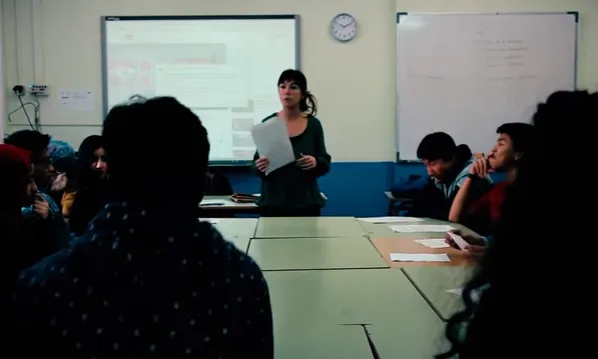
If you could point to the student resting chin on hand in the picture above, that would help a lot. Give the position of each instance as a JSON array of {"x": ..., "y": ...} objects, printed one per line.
[{"x": 292, "y": 191}]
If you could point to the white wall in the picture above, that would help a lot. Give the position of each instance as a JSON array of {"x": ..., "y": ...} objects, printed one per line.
[{"x": 58, "y": 43}]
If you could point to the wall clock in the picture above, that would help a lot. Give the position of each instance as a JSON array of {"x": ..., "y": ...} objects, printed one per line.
[{"x": 344, "y": 27}]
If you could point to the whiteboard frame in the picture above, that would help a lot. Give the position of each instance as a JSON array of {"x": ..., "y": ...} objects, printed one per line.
[
  {"x": 399, "y": 15},
  {"x": 104, "y": 20}
]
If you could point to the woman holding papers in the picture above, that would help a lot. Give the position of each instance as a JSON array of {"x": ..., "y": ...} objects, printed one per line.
[{"x": 292, "y": 190}]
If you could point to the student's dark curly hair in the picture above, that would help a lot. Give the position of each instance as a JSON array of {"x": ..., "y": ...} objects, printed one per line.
[
  {"x": 525, "y": 308},
  {"x": 157, "y": 151}
]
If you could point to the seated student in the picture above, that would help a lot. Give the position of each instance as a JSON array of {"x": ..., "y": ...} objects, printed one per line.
[
  {"x": 448, "y": 167},
  {"x": 92, "y": 184},
  {"x": 64, "y": 187},
  {"x": 17, "y": 189},
  {"x": 147, "y": 279},
  {"x": 45, "y": 208},
  {"x": 480, "y": 215},
  {"x": 533, "y": 278},
  {"x": 63, "y": 159}
]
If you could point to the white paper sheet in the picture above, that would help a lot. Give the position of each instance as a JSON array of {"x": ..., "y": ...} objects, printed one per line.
[
  {"x": 433, "y": 242},
  {"x": 422, "y": 228},
  {"x": 212, "y": 202},
  {"x": 272, "y": 141},
  {"x": 77, "y": 99},
  {"x": 223, "y": 202},
  {"x": 379, "y": 220},
  {"x": 419, "y": 257}
]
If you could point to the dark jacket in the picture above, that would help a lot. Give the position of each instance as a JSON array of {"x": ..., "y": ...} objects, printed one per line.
[{"x": 435, "y": 199}]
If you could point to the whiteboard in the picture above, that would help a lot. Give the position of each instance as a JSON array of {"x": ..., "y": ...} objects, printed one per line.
[
  {"x": 466, "y": 74},
  {"x": 224, "y": 68}
]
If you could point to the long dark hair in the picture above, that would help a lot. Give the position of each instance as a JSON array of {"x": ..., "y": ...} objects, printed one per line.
[
  {"x": 308, "y": 103},
  {"x": 92, "y": 191},
  {"x": 526, "y": 309}
]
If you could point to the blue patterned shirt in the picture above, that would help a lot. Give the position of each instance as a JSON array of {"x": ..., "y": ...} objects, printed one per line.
[
  {"x": 145, "y": 284},
  {"x": 54, "y": 228}
]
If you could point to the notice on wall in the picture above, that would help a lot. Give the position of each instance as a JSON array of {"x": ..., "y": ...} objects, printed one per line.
[{"x": 77, "y": 100}]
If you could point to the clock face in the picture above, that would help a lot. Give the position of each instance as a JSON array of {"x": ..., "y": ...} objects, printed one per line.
[{"x": 344, "y": 27}]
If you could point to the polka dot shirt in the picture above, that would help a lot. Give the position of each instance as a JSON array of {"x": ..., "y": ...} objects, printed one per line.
[{"x": 144, "y": 284}]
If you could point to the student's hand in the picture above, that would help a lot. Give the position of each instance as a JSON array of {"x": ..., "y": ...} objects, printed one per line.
[
  {"x": 307, "y": 162},
  {"x": 480, "y": 168},
  {"x": 40, "y": 206},
  {"x": 262, "y": 164},
  {"x": 476, "y": 244},
  {"x": 60, "y": 182},
  {"x": 475, "y": 250}
]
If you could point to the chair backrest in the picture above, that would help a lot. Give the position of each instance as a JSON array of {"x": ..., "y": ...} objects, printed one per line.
[{"x": 217, "y": 185}]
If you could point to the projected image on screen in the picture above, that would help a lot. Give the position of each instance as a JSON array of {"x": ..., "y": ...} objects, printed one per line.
[{"x": 225, "y": 70}]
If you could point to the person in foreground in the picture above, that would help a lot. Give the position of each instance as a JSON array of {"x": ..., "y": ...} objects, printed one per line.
[
  {"x": 448, "y": 166},
  {"x": 481, "y": 215},
  {"x": 147, "y": 279},
  {"x": 530, "y": 285},
  {"x": 293, "y": 189}
]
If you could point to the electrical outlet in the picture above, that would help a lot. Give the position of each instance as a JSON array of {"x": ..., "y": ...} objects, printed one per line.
[
  {"x": 19, "y": 90},
  {"x": 39, "y": 90}
]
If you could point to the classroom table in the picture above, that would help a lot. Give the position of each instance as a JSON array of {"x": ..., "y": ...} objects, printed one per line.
[
  {"x": 308, "y": 227},
  {"x": 388, "y": 346},
  {"x": 407, "y": 244},
  {"x": 223, "y": 207},
  {"x": 315, "y": 253},
  {"x": 321, "y": 341},
  {"x": 236, "y": 230},
  {"x": 381, "y": 298},
  {"x": 440, "y": 286},
  {"x": 383, "y": 229}
]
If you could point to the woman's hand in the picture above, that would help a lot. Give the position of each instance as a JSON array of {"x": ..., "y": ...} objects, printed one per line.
[
  {"x": 60, "y": 182},
  {"x": 262, "y": 164},
  {"x": 307, "y": 162}
]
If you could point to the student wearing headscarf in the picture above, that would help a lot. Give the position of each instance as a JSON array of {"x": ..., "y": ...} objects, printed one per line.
[
  {"x": 17, "y": 189},
  {"x": 64, "y": 161},
  {"x": 92, "y": 184}
]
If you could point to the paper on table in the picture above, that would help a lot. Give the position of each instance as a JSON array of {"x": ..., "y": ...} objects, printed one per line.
[
  {"x": 379, "y": 220},
  {"x": 212, "y": 202},
  {"x": 456, "y": 291},
  {"x": 419, "y": 257},
  {"x": 421, "y": 228},
  {"x": 272, "y": 141},
  {"x": 433, "y": 242}
]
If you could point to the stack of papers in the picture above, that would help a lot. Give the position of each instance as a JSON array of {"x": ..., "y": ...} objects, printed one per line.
[
  {"x": 434, "y": 243},
  {"x": 272, "y": 141},
  {"x": 379, "y": 220},
  {"x": 422, "y": 228},
  {"x": 419, "y": 257}
]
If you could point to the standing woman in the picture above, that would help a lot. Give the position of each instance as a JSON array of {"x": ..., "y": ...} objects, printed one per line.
[
  {"x": 92, "y": 186},
  {"x": 292, "y": 191}
]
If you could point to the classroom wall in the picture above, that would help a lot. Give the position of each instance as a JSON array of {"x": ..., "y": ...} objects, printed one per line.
[{"x": 57, "y": 43}]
